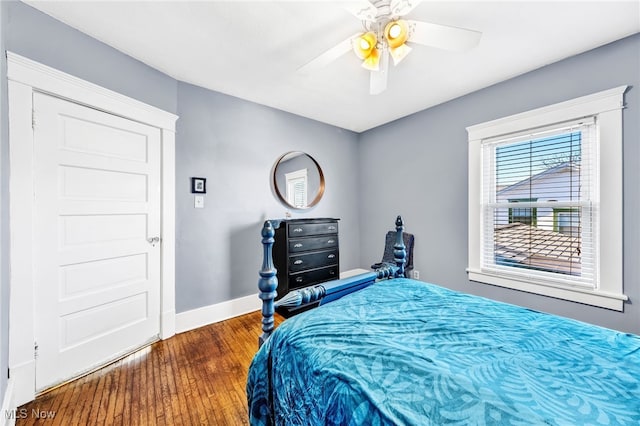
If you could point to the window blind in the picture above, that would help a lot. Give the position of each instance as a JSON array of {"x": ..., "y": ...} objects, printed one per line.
[
  {"x": 539, "y": 204},
  {"x": 300, "y": 193}
]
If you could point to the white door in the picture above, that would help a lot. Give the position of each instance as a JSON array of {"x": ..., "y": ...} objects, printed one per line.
[{"x": 97, "y": 205}]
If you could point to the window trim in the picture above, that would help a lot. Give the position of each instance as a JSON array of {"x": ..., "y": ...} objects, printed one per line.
[{"x": 607, "y": 107}]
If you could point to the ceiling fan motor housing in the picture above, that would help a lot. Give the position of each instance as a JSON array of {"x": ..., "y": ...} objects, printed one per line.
[{"x": 384, "y": 9}]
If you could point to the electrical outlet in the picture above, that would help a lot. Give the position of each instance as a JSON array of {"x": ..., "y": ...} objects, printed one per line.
[{"x": 416, "y": 275}]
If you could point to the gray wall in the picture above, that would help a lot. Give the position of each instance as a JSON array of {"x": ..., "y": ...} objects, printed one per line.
[
  {"x": 428, "y": 186},
  {"x": 4, "y": 213},
  {"x": 234, "y": 144},
  {"x": 231, "y": 142},
  {"x": 37, "y": 36}
]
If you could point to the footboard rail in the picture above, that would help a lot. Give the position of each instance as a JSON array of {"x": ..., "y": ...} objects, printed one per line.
[{"x": 325, "y": 292}]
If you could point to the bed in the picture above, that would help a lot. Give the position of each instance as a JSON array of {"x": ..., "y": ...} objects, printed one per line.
[{"x": 404, "y": 352}]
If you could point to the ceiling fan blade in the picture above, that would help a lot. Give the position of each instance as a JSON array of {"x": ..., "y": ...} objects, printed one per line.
[
  {"x": 443, "y": 36},
  {"x": 361, "y": 9},
  {"x": 329, "y": 56},
  {"x": 402, "y": 7},
  {"x": 378, "y": 80}
]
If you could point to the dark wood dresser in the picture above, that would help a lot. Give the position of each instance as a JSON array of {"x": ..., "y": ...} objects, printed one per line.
[{"x": 305, "y": 253}]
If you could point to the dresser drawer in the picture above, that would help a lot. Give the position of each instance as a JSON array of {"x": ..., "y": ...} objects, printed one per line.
[
  {"x": 306, "y": 252},
  {"x": 314, "y": 276},
  {"x": 304, "y": 229},
  {"x": 313, "y": 260},
  {"x": 313, "y": 243}
]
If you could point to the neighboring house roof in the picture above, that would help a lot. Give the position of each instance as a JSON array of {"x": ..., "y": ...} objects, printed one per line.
[
  {"x": 537, "y": 248},
  {"x": 530, "y": 181}
]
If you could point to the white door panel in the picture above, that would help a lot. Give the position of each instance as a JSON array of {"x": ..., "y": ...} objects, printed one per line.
[
  {"x": 114, "y": 274},
  {"x": 83, "y": 230},
  {"x": 85, "y": 183},
  {"x": 97, "y": 202},
  {"x": 84, "y": 301},
  {"x": 107, "y": 140}
]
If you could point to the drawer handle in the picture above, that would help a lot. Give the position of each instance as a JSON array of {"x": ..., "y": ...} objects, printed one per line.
[
  {"x": 332, "y": 273},
  {"x": 297, "y": 230},
  {"x": 331, "y": 256},
  {"x": 297, "y": 245},
  {"x": 297, "y": 262},
  {"x": 331, "y": 241},
  {"x": 299, "y": 280},
  {"x": 332, "y": 228}
]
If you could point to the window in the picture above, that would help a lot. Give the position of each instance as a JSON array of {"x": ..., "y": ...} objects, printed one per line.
[
  {"x": 526, "y": 215},
  {"x": 566, "y": 221},
  {"x": 552, "y": 167},
  {"x": 545, "y": 196},
  {"x": 297, "y": 188}
]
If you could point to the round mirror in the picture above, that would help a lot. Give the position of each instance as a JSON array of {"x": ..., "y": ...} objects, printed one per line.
[{"x": 298, "y": 180}]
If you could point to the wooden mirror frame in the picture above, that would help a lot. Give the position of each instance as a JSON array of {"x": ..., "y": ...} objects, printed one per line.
[{"x": 282, "y": 197}]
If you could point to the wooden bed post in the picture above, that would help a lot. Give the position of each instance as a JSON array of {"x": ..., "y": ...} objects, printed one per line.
[
  {"x": 399, "y": 249},
  {"x": 268, "y": 282}
]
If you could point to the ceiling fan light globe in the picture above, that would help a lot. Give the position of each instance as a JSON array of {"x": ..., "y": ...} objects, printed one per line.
[
  {"x": 372, "y": 62},
  {"x": 364, "y": 45},
  {"x": 396, "y": 33}
]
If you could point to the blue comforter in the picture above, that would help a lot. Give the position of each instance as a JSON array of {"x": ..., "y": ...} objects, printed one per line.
[{"x": 408, "y": 353}]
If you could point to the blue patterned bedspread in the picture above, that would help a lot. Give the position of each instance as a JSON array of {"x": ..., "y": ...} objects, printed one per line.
[{"x": 404, "y": 352}]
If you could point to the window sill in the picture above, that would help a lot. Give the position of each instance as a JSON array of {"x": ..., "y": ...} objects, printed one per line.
[{"x": 601, "y": 299}]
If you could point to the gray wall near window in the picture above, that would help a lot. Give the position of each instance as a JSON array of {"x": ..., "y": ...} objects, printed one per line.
[{"x": 429, "y": 184}]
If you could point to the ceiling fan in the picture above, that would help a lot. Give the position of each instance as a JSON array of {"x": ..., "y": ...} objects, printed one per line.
[{"x": 386, "y": 34}]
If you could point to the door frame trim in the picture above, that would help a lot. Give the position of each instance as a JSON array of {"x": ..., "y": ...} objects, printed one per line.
[{"x": 25, "y": 77}]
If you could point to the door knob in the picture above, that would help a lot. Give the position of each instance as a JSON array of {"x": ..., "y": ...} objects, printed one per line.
[{"x": 153, "y": 241}]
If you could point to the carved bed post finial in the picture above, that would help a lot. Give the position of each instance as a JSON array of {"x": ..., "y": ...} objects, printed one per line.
[
  {"x": 399, "y": 249},
  {"x": 268, "y": 282}
]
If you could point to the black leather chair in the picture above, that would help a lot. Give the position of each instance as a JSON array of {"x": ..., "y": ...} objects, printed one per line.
[{"x": 387, "y": 257}]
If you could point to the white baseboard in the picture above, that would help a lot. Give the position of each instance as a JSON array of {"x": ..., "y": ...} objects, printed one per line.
[
  {"x": 8, "y": 413},
  {"x": 352, "y": 272},
  {"x": 206, "y": 315}
]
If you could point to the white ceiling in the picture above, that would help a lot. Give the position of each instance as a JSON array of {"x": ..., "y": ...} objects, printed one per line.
[{"x": 252, "y": 49}]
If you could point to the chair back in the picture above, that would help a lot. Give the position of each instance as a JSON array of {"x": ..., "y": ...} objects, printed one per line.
[{"x": 389, "y": 242}]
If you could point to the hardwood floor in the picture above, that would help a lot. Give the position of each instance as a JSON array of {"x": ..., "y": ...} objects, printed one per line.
[{"x": 197, "y": 377}]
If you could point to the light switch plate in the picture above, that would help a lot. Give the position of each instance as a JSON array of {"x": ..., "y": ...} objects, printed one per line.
[{"x": 198, "y": 201}]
